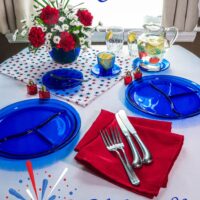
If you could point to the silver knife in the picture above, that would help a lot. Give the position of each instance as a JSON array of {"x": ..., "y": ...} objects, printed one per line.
[
  {"x": 137, "y": 161},
  {"x": 147, "y": 157}
]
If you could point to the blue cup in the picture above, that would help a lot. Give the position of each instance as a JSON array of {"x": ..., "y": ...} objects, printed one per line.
[{"x": 106, "y": 62}]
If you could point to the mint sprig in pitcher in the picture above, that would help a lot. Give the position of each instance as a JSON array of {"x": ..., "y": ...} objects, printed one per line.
[{"x": 152, "y": 45}]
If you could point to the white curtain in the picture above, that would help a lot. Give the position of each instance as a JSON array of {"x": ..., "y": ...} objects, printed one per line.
[
  {"x": 182, "y": 14},
  {"x": 12, "y": 12}
]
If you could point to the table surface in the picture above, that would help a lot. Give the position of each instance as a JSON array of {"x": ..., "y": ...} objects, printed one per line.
[{"x": 81, "y": 184}]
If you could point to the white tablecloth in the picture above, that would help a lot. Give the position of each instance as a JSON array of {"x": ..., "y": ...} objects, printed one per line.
[{"x": 80, "y": 184}]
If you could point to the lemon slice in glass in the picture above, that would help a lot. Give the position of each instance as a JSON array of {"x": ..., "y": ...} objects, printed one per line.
[
  {"x": 109, "y": 35},
  {"x": 131, "y": 37}
]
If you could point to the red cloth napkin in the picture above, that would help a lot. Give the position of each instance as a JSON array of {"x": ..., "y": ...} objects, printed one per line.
[{"x": 157, "y": 136}]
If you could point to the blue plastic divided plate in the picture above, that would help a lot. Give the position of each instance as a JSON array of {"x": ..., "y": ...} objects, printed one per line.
[
  {"x": 62, "y": 79},
  {"x": 34, "y": 128},
  {"x": 165, "y": 96}
]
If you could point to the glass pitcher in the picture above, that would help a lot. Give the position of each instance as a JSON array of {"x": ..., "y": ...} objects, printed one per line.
[{"x": 152, "y": 45}]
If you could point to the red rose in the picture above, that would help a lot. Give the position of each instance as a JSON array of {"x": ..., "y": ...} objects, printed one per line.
[
  {"x": 85, "y": 17},
  {"x": 36, "y": 37},
  {"x": 67, "y": 42},
  {"x": 50, "y": 15}
]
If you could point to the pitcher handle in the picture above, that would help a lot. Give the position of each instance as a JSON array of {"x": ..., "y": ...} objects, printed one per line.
[{"x": 175, "y": 31}]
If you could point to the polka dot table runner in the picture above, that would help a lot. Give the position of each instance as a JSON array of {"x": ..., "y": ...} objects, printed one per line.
[{"x": 26, "y": 65}]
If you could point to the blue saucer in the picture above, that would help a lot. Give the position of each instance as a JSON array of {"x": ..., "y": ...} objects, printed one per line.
[
  {"x": 62, "y": 79},
  {"x": 97, "y": 70},
  {"x": 163, "y": 65}
]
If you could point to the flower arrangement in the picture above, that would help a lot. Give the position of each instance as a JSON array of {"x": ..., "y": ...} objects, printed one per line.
[{"x": 56, "y": 24}]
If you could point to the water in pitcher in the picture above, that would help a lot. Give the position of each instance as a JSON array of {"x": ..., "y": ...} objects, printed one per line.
[
  {"x": 151, "y": 48},
  {"x": 152, "y": 45}
]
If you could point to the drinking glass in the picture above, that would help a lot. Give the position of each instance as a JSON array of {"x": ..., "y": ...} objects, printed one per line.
[
  {"x": 132, "y": 43},
  {"x": 114, "y": 39}
]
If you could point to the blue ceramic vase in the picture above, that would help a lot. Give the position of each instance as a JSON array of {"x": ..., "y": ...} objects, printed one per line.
[{"x": 63, "y": 57}]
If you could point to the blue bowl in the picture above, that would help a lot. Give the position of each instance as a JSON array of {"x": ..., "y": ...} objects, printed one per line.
[{"x": 63, "y": 57}]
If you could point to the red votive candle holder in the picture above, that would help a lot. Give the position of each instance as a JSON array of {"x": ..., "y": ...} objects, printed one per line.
[
  {"x": 128, "y": 78},
  {"x": 137, "y": 74},
  {"x": 31, "y": 88},
  {"x": 44, "y": 93}
]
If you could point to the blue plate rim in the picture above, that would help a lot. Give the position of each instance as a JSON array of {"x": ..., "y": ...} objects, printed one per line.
[
  {"x": 56, "y": 148},
  {"x": 115, "y": 65},
  {"x": 134, "y": 105},
  {"x": 145, "y": 70},
  {"x": 76, "y": 84}
]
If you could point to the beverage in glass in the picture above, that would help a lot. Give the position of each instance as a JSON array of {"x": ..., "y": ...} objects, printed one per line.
[{"x": 114, "y": 39}]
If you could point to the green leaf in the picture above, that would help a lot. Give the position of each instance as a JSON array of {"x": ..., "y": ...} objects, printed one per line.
[
  {"x": 39, "y": 3},
  {"x": 48, "y": 3},
  {"x": 39, "y": 21},
  {"x": 66, "y": 4}
]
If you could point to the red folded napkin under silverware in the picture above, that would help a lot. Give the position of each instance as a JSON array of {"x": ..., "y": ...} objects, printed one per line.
[{"x": 163, "y": 145}]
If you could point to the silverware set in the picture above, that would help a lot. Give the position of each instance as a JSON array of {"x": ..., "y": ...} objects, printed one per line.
[{"x": 113, "y": 142}]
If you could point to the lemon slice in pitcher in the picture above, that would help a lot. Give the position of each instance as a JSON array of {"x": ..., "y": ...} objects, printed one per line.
[
  {"x": 131, "y": 37},
  {"x": 109, "y": 35}
]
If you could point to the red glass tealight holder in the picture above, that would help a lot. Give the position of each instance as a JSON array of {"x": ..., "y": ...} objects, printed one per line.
[
  {"x": 31, "y": 88},
  {"x": 44, "y": 93},
  {"x": 128, "y": 78},
  {"x": 137, "y": 74}
]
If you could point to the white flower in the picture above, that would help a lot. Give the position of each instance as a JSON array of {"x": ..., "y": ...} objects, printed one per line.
[
  {"x": 48, "y": 45},
  {"x": 58, "y": 28},
  {"x": 23, "y": 21},
  {"x": 77, "y": 23},
  {"x": 15, "y": 35},
  {"x": 100, "y": 23},
  {"x": 62, "y": 19},
  {"x": 24, "y": 27},
  {"x": 23, "y": 33},
  {"x": 53, "y": 30},
  {"x": 75, "y": 17},
  {"x": 69, "y": 7},
  {"x": 70, "y": 16},
  {"x": 81, "y": 40},
  {"x": 86, "y": 33},
  {"x": 56, "y": 39},
  {"x": 44, "y": 29},
  {"x": 84, "y": 47},
  {"x": 38, "y": 11},
  {"x": 60, "y": 5},
  {"x": 71, "y": 23},
  {"x": 65, "y": 27},
  {"x": 76, "y": 32},
  {"x": 48, "y": 36},
  {"x": 48, "y": 48}
]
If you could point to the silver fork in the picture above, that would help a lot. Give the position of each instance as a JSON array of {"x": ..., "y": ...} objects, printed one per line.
[
  {"x": 114, "y": 145},
  {"x": 120, "y": 145}
]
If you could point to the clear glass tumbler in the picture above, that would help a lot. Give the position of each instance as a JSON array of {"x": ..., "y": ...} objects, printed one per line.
[
  {"x": 132, "y": 43},
  {"x": 114, "y": 39}
]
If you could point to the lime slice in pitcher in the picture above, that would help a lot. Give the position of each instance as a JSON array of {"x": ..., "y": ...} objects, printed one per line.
[{"x": 155, "y": 45}]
